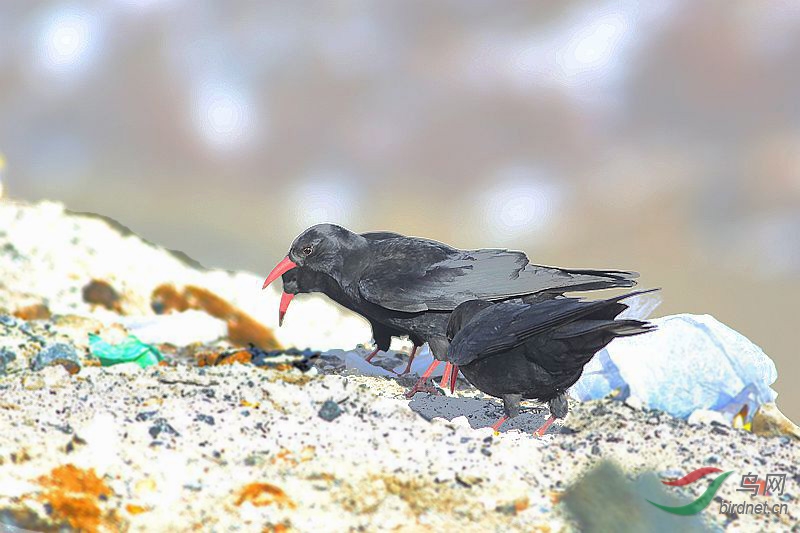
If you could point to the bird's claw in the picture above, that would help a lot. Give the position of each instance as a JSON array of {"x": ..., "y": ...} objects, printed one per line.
[{"x": 421, "y": 387}]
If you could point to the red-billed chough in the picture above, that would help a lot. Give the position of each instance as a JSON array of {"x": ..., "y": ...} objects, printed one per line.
[
  {"x": 412, "y": 284},
  {"x": 302, "y": 280},
  {"x": 516, "y": 351}
]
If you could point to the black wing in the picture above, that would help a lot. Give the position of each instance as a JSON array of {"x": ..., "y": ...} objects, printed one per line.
[
  {"x": 414, "y": 275},
  {"x": 506, "y": 325},
  {"x": 380, "y": 235}
]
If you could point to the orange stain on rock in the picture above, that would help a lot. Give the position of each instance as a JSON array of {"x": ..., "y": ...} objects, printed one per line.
[
  {"x": 72, "y": 493},
  {"x": 261, "y": 494},
  {"x": 33, "y": 312},
  {"x": 243, "y": 329}
]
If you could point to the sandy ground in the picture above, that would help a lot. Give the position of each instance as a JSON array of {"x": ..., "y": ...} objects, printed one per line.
[{"x": 242, "y": 447}]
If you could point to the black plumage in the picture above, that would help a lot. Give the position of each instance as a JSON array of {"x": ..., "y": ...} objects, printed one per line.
[
  {"x": 302, "y": 281},
  {"x": 515, "y": 351},
  {"x": 412, "y": 285}
]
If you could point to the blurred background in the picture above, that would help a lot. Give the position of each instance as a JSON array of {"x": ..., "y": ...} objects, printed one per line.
[{"x": 657, "y": 136}]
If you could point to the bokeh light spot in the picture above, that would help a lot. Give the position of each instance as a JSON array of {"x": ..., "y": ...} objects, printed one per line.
[
  {"x": 223, "y": 114},
  {"x": 67, "y": 40}
]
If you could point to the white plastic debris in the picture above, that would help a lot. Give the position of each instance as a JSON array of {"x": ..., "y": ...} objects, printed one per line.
[
  {"x": 690, "y": 362},
  {"x": 179, "y": 329}
]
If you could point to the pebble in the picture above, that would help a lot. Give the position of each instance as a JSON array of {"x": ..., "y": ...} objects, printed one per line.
[
  {"x": 8, "y": 321},
  {"x": 144, "y": 416},
  {"x": 57, "y": 354},
  {"x": 6, "y": 356},
  {"x": 160, "y": 425},
  {"x": 330, "y": 411},
  {"x": 208, "y": 419}
]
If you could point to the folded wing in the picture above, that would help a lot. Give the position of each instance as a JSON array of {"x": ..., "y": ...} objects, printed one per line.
[{"x": 415, "y": 275}]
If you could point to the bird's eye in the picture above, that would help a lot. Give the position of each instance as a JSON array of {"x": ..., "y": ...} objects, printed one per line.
[{"x": 307, "y": 250}]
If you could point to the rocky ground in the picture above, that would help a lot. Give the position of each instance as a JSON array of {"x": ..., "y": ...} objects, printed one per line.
[{"x": 223, "y": 436}]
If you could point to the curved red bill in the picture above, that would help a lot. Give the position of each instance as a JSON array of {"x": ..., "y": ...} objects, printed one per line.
[
  {"x": 280, "y": 269},
  {"x": 286, "y": 299}
]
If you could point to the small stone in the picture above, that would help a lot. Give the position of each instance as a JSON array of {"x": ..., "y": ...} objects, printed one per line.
[
  {"x": 466, "y": 480},
  {"x": 144, "y": 416},
  {"x": 330, "y": 411},
  {"x": 8, "y": 321},
  {"x": 254, "y": 460},
  {"x": 595, "y": 450},
  {"x": 486, "y": 451},
  {"x": 568, "y": 446},
  {"x": 6, "y": 356},
  {"x": 507, "y": 509},
  {"x": 208, "y": 419},
  {"x": 160, "y": 425},
  {"x": 57, "y": 354}
]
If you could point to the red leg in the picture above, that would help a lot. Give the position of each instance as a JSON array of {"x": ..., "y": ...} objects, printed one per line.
[
  {"x": 418, "y": 385},
  {"x": 499, "y": 423},
  {"x": 371, "y": 355},
  {"x": 541, "y": 431},
  {"x": 410, "y": 360},
  {"x": 448, "y": 368},
  {"x": 453, "y": 377}
]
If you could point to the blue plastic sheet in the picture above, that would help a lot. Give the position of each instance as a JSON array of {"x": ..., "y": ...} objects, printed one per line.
[{"x": 690, "y": 362}]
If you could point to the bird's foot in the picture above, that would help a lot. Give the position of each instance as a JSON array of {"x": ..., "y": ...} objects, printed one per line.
[
  {"x": 372, "y": 354},
  {"x": 449, "y": 378},
  {"x": 448, "y": 369},
  {"x": 496, "y": 427},
  {"x": 410, "y": 360},
  {"x": 420, "y": 385},
  {"x": 543, "y": 429},
  {"x": 453, "y": 378}
]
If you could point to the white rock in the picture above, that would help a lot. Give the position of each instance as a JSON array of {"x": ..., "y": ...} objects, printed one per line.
[
  {"x": 706, "y": 416},
  {"x": 126, "y": 369},
  {"x": 55, "y": 376}
]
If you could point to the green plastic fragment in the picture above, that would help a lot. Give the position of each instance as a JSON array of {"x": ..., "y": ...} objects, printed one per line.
[{"x": 131, "y": 351}]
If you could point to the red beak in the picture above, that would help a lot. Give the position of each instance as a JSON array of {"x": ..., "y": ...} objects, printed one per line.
[
  {"x": 286, "y": 299},
  {"x": 284, "y": 266}
]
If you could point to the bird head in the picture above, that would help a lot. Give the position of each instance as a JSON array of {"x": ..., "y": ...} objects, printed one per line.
[
  {"x": 320, "y": 249},
  {"x": 462, "y": 314}
]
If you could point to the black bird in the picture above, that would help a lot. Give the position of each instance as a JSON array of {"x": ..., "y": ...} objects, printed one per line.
[
  {"x": 516, "y": 351},
  {"x": 412, "y": 284},
  {"x": 302, "y": 280}
]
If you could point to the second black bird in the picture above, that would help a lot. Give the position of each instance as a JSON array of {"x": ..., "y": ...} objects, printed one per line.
[{"x": 517, "y": 351}]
